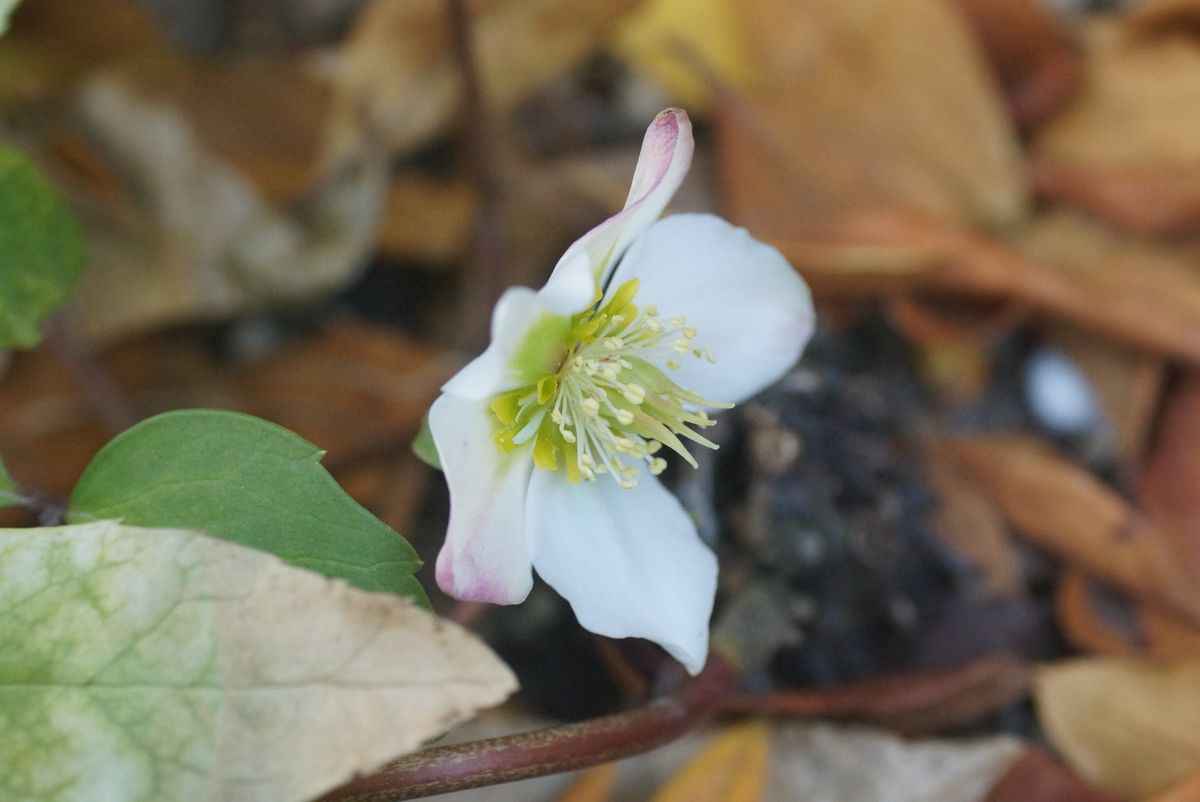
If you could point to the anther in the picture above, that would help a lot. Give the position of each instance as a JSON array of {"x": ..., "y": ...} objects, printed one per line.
[{"x": 634, "y": 393}]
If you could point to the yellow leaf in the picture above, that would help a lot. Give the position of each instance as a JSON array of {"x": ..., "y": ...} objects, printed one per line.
[
  {"x": 594, "y": 785},
  {"x": 733, "y": 768},
  {"x": 1130, "y": 726},
  {"x": 664, "y": 38}
]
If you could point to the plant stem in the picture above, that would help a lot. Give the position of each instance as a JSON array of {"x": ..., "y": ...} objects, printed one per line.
[
  {"x": 549, "y": 751},
  {"x": 485, "y": 276}
]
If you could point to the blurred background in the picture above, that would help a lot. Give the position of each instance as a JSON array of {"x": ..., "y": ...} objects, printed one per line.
[{"x": 989, "y": 457}]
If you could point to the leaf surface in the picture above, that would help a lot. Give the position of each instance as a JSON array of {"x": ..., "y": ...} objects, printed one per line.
[
  {"x": 162, "y": 664},
  {"x": 244, "y": 479},
  {"x": 41, "y": 250}
]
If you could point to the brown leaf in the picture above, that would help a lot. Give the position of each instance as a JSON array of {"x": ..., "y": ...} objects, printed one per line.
[
  {"x": 1062, "y": 508},
  {"x": 1129, "y": 726},
  {"x": 730, "y": 769},
  {"x": 1031, "y": 54},
  {"x": 1156, "y": 18},
  {"x": 261, "y": 115},
  {"x": 198, "y": 239},
  {"x": 1187, "y": 791},
  {"x": 1169, "y": 488},
  {"x": 1139, "y": 107},
  {"x": 428, "y": 220},
  {"x": 1129, "y": 384},
  {"x": 1169, "y": 635},
  {"x": 1148, "y": 202},
  {"x": 354, "y": 389},
  {"x": 1037, "y": 777},
  {"x": 865, "y": 105},
  {"x": 397, "y": 80},
  {"x": 1084, "y": 622},
  {"x": 968, "y": 522}
]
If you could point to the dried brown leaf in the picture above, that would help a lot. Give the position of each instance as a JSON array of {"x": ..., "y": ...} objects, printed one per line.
[
  {"x": 1031, "y": 53},
  {"x": 1187, "y": 791},
  {"x": 397, "y": 79},
  {"x": 863, "y": 105},
  {"x": 1084, "y": 623},
  {"x": 1037, "y": 777},
  {"x": 1169, "y": 487},
  {"x": 968, "y": 522},
  {"x": 1139, "y": 108},
  {"x": 1130, "y": 726},
  {"x": 1063, "y": 508}
]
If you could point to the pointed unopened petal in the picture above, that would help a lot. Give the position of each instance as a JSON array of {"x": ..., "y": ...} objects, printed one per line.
[
  {"x": 485, "y": 556},
  {"x": 527, "y": 338},
  {"x": 629, "y": 561},
  {"x": 746, "y": 303},
  {"x": 664, "y": 161}
]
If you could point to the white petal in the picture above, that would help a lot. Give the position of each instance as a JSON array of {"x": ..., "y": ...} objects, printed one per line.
[
  {"x": 747, "y": 304},
  {"x": 629, "y": 561},
  {"x": 664, "y": 160},
  {"x": 486, "y": 554},
  {"x": 521, "y": 315}
]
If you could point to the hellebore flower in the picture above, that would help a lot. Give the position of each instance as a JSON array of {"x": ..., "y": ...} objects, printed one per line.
[{"x": 552, "y": 440}]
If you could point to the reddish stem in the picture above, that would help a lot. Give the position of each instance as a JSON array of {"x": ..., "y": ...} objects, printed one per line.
[{"x": 549, "y": 751}]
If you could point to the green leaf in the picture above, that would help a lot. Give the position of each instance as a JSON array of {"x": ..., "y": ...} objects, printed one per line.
[
  {"x": 9, "y": 496},
  {"x": 7, "y": 7},
  {"x": 161, "y": 665},
  {"x": 41, "y": 250},
  {"x": 243, "y": 479},
  {"x": 423, "y": 445}
]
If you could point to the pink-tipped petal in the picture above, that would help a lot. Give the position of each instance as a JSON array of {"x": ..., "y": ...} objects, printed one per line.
[
  {"x": 747, "y": 304},
  {"x": 485, "y": 557},
  {"x": 664, "y": 161},
  {"x": 628, "y": 560}
]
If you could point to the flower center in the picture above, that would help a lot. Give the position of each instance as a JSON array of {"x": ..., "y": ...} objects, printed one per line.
[{"x": 607, "y": 408}]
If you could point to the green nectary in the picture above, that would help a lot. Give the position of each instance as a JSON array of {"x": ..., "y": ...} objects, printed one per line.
[{"x": 599, "y": 404}]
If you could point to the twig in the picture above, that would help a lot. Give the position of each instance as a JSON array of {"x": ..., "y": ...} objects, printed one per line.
[
  {"x": 548, "y": 751},
  {"x": 486, "y": 275}
]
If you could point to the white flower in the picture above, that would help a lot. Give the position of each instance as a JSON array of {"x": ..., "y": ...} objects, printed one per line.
[{"x": 553, "y": 438}]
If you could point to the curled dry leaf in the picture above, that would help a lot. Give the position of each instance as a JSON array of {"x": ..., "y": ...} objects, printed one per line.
[
  {"x": 866, "y": 105},
  {"x": 1063, "y": 508},
  {"x": 162, "y": 663},
  {"x": 202, "y": 240},
  {"x": 1127, "y": 725}
]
